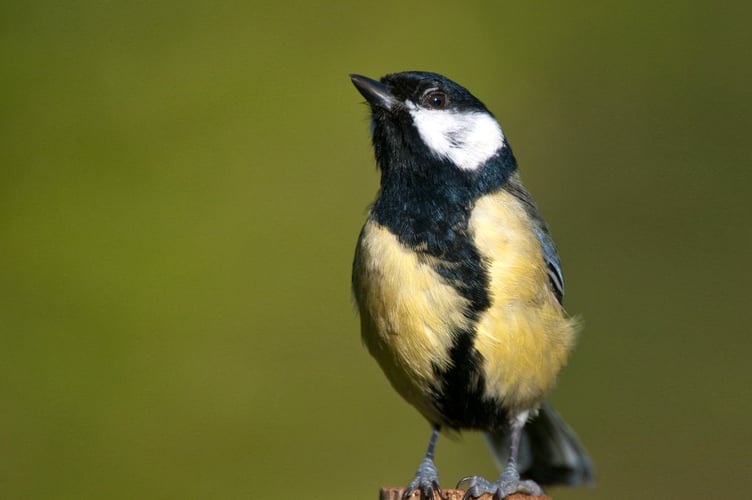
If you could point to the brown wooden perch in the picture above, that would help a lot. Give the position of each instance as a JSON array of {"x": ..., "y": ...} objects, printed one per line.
[{"x": 448, "y": 494}]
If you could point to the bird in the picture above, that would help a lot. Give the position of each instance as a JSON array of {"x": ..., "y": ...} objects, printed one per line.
[{"x": 459, "y": 288}]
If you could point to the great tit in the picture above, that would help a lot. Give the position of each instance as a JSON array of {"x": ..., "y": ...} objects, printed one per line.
[{"x": 459, "y": 285}]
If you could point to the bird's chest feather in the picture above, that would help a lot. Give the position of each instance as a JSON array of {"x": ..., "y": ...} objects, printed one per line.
[
  {"x": 408, "y": 312},
  {"x": 524, "y": 336},
  {"x": 454, "y": 334}
]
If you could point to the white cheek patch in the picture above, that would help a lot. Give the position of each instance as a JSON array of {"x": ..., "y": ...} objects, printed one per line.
[{"x": 466, "y": 139}]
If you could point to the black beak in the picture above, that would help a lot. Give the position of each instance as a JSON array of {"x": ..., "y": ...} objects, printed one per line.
[{"x": 375, "y": 92}]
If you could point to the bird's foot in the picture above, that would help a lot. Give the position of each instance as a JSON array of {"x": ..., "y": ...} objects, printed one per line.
[
  {"x": 509, "y": 482},
  {"x": 426, "y": 480}
]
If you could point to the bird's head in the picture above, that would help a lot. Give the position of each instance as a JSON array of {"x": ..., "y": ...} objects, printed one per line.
[{"x": 420, "y": 118}]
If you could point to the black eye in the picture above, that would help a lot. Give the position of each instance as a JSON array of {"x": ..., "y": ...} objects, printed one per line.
[{"x": 434, "y": 99}]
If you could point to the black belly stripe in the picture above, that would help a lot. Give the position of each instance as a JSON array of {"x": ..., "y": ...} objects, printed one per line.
[{"x": 460, "y": 397}]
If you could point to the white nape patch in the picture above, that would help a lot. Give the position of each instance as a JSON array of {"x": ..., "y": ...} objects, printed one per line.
[{"x": 468, "y": 139}]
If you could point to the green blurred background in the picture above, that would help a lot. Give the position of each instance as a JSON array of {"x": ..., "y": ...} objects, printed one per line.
[{"x": 182, "y": 184}]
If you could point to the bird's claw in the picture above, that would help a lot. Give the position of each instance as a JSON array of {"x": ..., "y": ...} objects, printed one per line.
[
  {"x": 426, "y": 480},
  {"x": 508, "y": 483},
  {"x": 475, "y": 486}
]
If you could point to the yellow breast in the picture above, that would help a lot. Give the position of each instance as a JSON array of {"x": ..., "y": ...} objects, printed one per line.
[
  {"x": 408, "y": 313},
  {"x": 524, "y": 337}
]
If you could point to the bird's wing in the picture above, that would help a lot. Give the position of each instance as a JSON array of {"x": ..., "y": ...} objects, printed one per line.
[{"x": 551, "y": 256}]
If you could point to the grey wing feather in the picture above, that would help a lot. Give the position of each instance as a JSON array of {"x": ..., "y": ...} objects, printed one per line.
[
  {"x": 551, "y": 256},
  {"x": 553, "y": 264}
]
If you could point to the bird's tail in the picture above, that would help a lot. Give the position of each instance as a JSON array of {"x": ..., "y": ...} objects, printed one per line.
[{"x": 550, "y": 452}]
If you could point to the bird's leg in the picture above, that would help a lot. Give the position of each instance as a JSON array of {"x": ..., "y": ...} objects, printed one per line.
[
  {"x": 427, "y": 477},
  {"x": 509, "y": 481}
]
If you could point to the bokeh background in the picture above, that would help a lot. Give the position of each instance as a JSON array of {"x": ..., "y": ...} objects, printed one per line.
[{"x": 182, "y": 184}]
